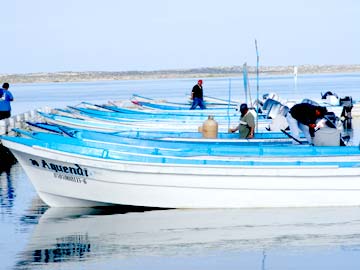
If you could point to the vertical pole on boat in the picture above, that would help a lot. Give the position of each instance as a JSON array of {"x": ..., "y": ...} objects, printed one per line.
[
  {"x": 245, "y": 79},
  {"x": 257, "y": 86},
  {"x": 228, "y": 110}
]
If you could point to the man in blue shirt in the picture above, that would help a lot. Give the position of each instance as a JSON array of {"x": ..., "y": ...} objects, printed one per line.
[{"x": 5, "y": 98}]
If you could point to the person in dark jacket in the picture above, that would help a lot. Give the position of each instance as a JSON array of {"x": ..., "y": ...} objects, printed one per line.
[
  {"x": 303, "y": 117},
  {"x": 5, "y": 98},
  {"x": 197, "y": 96}
]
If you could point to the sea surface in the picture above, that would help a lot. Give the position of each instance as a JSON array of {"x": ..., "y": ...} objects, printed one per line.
[{"x": 33, "y": 236}]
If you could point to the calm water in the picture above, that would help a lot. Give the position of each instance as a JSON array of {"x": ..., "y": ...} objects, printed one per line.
[{"x": 32, "y": 236}]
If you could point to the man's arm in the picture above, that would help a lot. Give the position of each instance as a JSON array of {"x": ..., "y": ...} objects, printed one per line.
[
  {"x": 193, "y": 92},
  {"x": 232, "y": 130},
  {"x": 251, "y": 133}
]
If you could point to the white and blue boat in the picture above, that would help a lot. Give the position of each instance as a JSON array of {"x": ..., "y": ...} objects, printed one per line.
[
  {"x": 161, "y": 146},
  {"x": 128, "y": 124},
  {"x": 152, "y": 116},
  {"x": 78, "y": 175},
  {"x": 208, "y": 100},
  {"x": 167, "y": 106},
  {"x": 148, "y": 136}
]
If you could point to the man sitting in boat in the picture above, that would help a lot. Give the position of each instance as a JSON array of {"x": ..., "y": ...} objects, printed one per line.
[
  {"x": 303, "y": 117},
  {"x": 197, "y": 96},
  {"x": 246, "y": 126}
]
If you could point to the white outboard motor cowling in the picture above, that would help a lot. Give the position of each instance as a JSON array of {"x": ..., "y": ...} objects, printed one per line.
[{"x": 327, "y": 136}]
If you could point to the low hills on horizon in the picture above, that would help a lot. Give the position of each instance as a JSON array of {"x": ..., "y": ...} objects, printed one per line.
[{"x": 205, "y": 72}]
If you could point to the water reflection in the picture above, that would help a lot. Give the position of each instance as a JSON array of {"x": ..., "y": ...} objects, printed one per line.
[
  {"x": 64, "y": 242},
  {"x": 69, "y": 247},
  {"x": 89, "y": 234},
  {"x": 7, "y": 191},
  {"x": 35, "y": 212},
  {"x": 7, "y": 159}
]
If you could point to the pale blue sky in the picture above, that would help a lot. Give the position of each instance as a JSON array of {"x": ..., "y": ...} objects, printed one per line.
[{"x": 120, "y": 35}]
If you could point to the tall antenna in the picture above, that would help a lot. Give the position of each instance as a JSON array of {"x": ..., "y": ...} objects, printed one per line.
[{"x": 257, "y": 85}]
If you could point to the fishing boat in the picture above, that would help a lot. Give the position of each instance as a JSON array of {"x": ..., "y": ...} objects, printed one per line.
[
  {"x": 209, "y": 101},
  {"x": 113, "y": 115},
  {"x": 111, "y": 124},
  {"x": 169, "y": 113},
  {"x": 173, "y": 120},
  {"x": 158, "y": 106},
  {"x": 104, "y": 124},
  {"x": 70, "y": 175},
  {"x": 154, "y": 145},
  {"x": 172, "y": 138}
]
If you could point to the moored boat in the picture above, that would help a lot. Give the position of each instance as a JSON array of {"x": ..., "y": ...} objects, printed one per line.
[
  {"x": 158, "y": 137},
  {"x": 71, "y": 176},
  {"x": 104, "y": 124}
]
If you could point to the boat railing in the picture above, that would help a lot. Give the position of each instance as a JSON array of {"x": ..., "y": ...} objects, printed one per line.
[{"x": 19, "y": 120}]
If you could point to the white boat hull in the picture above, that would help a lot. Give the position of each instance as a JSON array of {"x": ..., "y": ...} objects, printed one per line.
[{"x": 108, "y": 182}]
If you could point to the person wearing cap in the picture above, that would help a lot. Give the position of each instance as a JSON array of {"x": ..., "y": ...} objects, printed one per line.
[
  {"x": 246, "y": 126},
  {"x": 197, "y": 96},
  {"x": 5, "y": 98},
  {"x": 303, "y": 117}
]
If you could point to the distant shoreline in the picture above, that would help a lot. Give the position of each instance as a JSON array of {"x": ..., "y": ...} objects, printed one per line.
[{"x": 207, "y": 72}]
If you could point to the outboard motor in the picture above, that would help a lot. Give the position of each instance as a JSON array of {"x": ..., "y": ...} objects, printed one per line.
[
  {"x": 279, "y": 121},
  {"x": 329, "y": 134},
  {"x": 274, "y": 111},
  {"x": 331, "y": 119},
  {"x": 328, "y": 93},
  {"x": 267, "y": 104},
  {"x": 271, "y": 108},
  {"x": 347, "y": 104},
  {"x": 330, "y": 98}
]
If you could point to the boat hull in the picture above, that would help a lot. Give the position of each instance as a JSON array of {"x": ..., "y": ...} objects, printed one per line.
[{"x": 69, "y": 180}]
